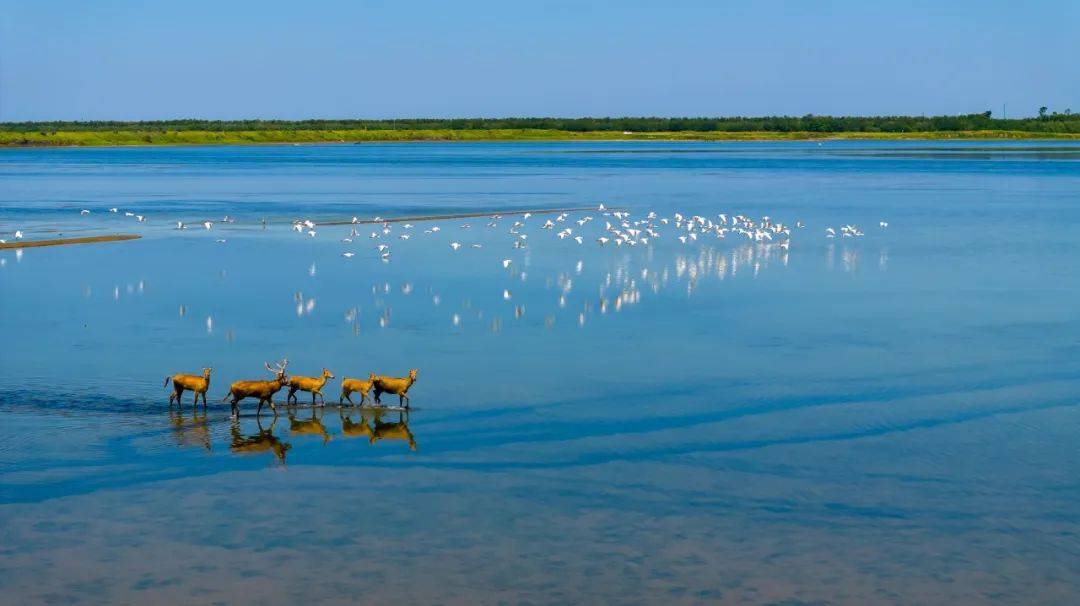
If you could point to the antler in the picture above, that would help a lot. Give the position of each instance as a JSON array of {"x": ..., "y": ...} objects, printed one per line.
[{"x": 267, "y": 364}]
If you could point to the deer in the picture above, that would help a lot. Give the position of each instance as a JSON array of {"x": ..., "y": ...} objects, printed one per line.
[
  {"x": 351, "y": 429},
  {"x": 348, "y": 386},
  {"x": 312, "y": 384},
  {"x": 312, "y": 426},
  {"x": 393, "y": 431},
  {"x": 263, "y": 441},
  {"x": 397, "y": 386},
  {"x": 194, "y": 383},
  {"x": 264, "y": 390}
]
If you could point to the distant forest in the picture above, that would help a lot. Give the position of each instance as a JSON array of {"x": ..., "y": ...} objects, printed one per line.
[{"x": 1055, "y": 122}]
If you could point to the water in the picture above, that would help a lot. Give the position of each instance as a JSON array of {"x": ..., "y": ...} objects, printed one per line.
[{"x": 890, "y": 418}]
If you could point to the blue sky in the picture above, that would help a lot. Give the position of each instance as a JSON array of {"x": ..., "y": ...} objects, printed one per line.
[{"x": 113, "y": 59}]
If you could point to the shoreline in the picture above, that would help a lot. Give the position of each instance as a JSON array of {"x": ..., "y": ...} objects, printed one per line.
[
  {"x": 66, "y": 241},
  {"x": 133, "y": 138}
]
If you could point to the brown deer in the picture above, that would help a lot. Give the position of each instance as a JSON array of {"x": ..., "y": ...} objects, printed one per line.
[
  {"x": 263, "y": 441},
  {"x": 351, "y": 429},
  {"x": 194, "y": 383},
  {"x": 348, "y": 386},
  {"x": 393, "y": 431},
  {"x": 313, "y": 426},
  {"x": 312, "y": 384},
  {"x": 396, "y": 386},
  {"x": 264, "y": 390}
]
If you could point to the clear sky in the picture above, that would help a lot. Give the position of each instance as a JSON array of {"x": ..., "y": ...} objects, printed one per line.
[{"x": 117, "y": 59}]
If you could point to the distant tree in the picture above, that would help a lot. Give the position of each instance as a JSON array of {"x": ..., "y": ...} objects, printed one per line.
[{"x": 1042, "y": 112}]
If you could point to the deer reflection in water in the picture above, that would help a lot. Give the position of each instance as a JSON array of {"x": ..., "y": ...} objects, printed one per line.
[
  {"x": 312, "y": 427},
  {"x": 377, "y": 430},
  {"x": 194, "y": 431},
  {"x": 263, "y": 441}
]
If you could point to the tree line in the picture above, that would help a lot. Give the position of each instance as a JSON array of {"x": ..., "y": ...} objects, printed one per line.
[{"x": 1053, "y": 122}]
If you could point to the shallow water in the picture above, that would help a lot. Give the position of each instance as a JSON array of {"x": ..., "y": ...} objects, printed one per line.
[{"x": 889, "y": 418}]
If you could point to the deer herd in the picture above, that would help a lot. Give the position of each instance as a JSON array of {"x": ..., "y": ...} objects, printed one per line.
[{"x": 264, "y": 390}]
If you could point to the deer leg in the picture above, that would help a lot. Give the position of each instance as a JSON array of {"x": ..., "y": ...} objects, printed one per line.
[{"x": 313, "y": 399}]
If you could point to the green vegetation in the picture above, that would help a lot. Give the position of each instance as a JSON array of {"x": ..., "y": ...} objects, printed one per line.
[{"x": 198, "y": 132}]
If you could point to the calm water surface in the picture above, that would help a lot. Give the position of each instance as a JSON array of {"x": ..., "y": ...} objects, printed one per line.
[{"x": 888, "y": 419}]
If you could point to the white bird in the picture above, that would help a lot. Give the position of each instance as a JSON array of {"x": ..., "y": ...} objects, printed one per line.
[
  {"x": 180, "y": 225},
  {"x": 526, "y": 215},
  {"x": 407, "y": 226},
  {"x": 84, "y": 212},
  {"x": 308, "y": 224},
  {"x": 601, "y": 208},
  {"x": 383, "y": 247},
  {"x": 299, "y": 227},
  {"x": 682, "y": 239},
  {"x": 140, "y": 218},
  {"x": 347, "y": 240},
  {"x": 455, "y": 245},
  {"x": 506, "y": 294},
  {"x": 578, "y": 239},
  {"x": 506, "y": 262},
  {"x": 208, "y": 224},
  {"x": 18, "y": 234},
  {"x": 348, "y": 255},
  {"x": 220, "y": 240},
  {"x": 355, "y": 220},
  {"x": 548, "y": 224},
  {"x": 113, "y": 210},
  {"x": 405, "y": 236},
  {"x": 883, "y": 224},
  {"x": 311, "y": 232},
  {"x": 435, "y": 228},
  {"x": 129, "y": 214},
  {"x": 477, "y": 245},
  {"x": 602, "y": 240}
]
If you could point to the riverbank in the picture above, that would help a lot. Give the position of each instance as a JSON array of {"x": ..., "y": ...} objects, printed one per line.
[
  {"x": 112, "y": 138},
  {"x": 66, "y": 241}
]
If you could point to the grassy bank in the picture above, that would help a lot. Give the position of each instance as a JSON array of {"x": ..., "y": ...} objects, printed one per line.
[{"x": 270, "y": 136}]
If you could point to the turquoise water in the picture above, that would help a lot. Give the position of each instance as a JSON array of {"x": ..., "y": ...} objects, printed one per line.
[{"x": 889, "y": 418}]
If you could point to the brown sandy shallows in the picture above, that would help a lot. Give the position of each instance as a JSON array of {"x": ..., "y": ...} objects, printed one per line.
[
  {"x": 490, "y": 213},
  {"x": 63, "y": 241}
]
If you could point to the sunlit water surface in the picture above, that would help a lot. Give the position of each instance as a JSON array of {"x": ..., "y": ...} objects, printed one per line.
[{"x": 886, "y": 418}]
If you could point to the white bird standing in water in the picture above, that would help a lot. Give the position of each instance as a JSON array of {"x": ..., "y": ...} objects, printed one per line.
[
  {"x": 348, "y": 255},
  {"x": 883, "y": 224},
  {"x": 208, "y": 224},
  {"x": 506, "y": 263},
  {"x": 113, "y": 210},
  {"x": 84, "y": 212},
  {"x": 18, "y": 234},
  {"x": 455, "y": 245}
]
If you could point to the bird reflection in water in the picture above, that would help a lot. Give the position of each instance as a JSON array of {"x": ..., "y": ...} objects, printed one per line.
[
  {"x": 263, "y": 441},
  {"x": 193, "y": 430},
  {"x": 372, "y": 426}
]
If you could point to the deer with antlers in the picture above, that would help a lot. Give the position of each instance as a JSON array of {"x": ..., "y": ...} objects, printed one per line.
[
  {"x": 263, "y": 390},
  {"x": 396, "y": 386},
  {"x": 310, "y": 384},
  {"x": 195, "y": 383}
]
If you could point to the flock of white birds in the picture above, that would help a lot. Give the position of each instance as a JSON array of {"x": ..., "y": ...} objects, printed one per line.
[
  {"x": 620, "y": 228},
  {"x": 757, "y": 242}
]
